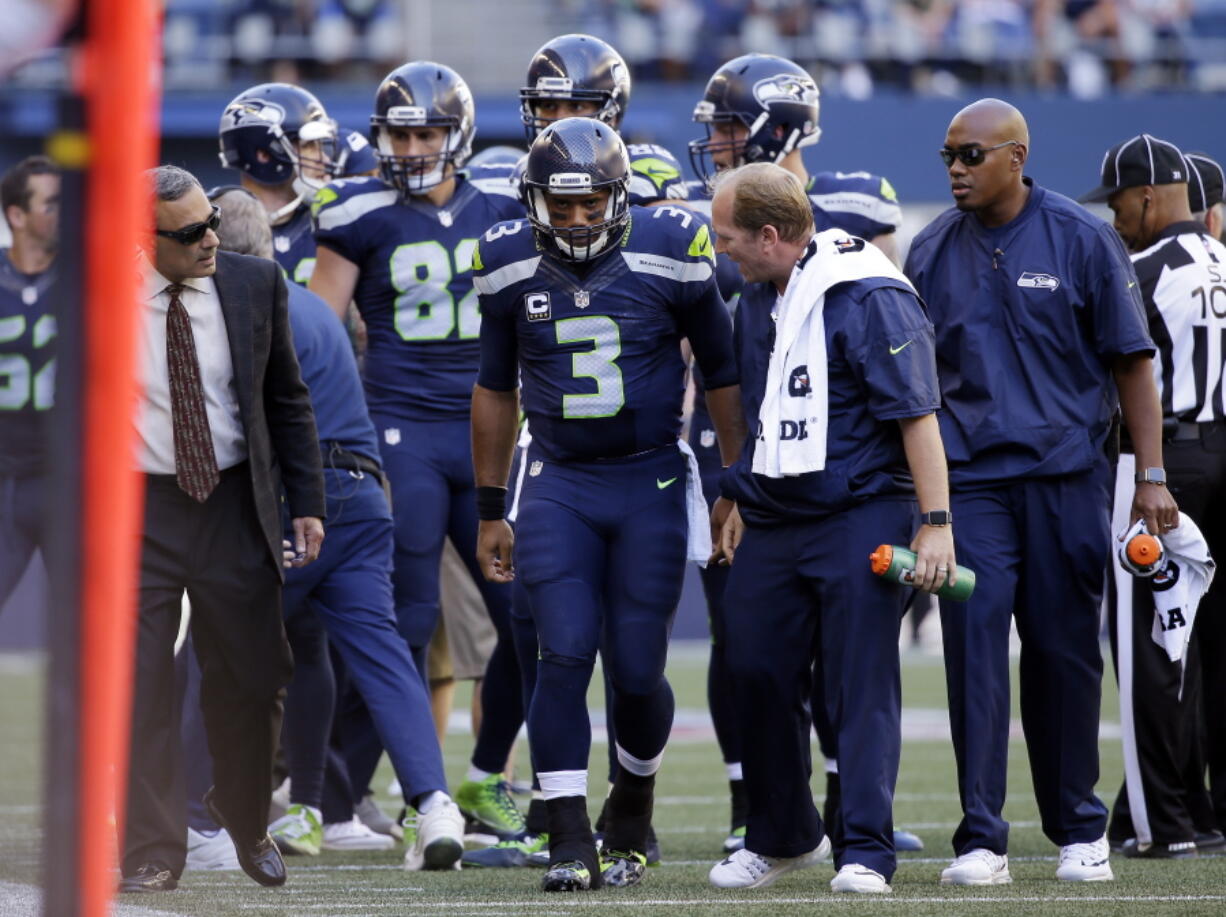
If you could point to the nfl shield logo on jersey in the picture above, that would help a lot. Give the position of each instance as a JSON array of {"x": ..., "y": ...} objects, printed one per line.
[
  {"x": 535, "y": 468},
  {"x": 391, "y": 436},
  {"x": 582, "y": 299},
  {"x": 536, "y": 307},
  {"x": 707, "y": 439}
]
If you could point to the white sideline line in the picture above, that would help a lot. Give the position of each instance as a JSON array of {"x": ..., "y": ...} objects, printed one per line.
[{"x": 488, "y": 908}]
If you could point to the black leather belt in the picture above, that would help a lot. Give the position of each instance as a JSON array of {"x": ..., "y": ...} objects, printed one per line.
[
  {"x": 342, "y": 459},
  {"x": 1175, "y": 431}
]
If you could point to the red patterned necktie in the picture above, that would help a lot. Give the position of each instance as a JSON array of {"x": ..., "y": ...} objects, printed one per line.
[{"x": 195, "y": 461}]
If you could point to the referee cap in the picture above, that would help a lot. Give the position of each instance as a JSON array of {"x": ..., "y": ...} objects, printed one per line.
[
  {"x": 1205, "y": 180},
  {"x": 1142, "y": 160}
]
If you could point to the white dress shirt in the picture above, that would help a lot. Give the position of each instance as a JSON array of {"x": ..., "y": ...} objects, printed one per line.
[{"x": 157, "y": 444}]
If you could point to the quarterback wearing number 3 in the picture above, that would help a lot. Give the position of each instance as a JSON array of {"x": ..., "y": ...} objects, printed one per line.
[{"x": 586, "y": 303}]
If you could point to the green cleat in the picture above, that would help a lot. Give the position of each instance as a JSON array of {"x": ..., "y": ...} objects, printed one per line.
[
  {"x": 489, "y": 802},
  {"x": 568, "y": 876},
  {"x": 510, "y": 854},
  {"x": 298, "y": 831},
  {"x": 622, "y": 869}
]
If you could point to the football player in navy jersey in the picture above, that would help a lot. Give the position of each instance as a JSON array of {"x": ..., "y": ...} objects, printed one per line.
[
  {"x": 588, "y": 300},
  {"x": 401, "y": 246},
  {"x": 763, "y": 108},
  {"x": 581, "y": 76},
  {"x": 30, "y": 196},
  {"x": 281, "y": 140}
]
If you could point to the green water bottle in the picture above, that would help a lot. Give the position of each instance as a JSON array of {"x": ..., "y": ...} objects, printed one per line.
[{"x": 897, "y": 565}]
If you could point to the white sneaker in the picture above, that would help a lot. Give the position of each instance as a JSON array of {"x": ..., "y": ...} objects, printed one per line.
[
  {"x": 353, "y": 835},
  {"x": 210, "y": 851},
  {"x": 376, "y": 819},
  {"x": 977, "y": 867},
  {"x": 1086, "y": 862},
  {"x": 856, "y": 878},
  {"x": 280, "y": 802},
  {"x": 746, "y": 869},
  {"x": 436, "y": 839}
]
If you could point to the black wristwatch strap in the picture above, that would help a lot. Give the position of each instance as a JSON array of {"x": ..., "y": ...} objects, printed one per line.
[{"x": 937, "y": 517}]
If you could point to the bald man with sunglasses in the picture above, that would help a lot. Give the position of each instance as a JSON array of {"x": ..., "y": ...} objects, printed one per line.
[
  {"x": 225, "y": 427},
  {"x": 1039, "y": 324}
]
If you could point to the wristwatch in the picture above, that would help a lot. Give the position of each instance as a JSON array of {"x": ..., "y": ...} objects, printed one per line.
[
  {"x": 937, "y": 517},
  {"x": 1151, "y": 476}
]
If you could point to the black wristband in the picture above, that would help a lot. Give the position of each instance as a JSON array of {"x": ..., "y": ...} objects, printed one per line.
[{"x": 491, "y": 503}]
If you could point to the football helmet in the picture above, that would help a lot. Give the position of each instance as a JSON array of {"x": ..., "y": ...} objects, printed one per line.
[
  {"x": 422, "y": 94},
  {"x": 774, "y": 99},
  {"x": 576, "y": 156},
  {"x": 577, "y": 67},
  {"x": 354, "y": 155},
  {"x": 274, "y": 119}
]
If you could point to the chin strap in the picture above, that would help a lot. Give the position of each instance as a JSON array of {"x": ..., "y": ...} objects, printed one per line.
[{"x": 277, "y": 217}]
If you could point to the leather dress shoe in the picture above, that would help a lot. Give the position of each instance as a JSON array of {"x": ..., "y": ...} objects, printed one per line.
[
  {"x": 150, "y": 877},
  {"x": 260, "y": 858}
]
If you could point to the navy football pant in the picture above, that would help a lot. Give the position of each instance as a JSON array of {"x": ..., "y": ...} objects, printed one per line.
[
  {"x": 349, "y": 588},
  {"x": 21, "y": 528},
  {"x": 1039, "y": 549},
  {"x": 310, "y": 704},
  {"x": 600, "y": 548},
  {"x": 787, "y": 582},
  {"x": 433, "y": 496}
]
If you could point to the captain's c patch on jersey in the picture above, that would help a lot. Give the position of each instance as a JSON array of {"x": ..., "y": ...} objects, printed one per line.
[{"x": 536, "y": 307}]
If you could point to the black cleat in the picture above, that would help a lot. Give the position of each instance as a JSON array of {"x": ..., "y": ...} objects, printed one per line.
[
  {"x": 569, "y": 876},
  {"x": 622, "y": 869}
]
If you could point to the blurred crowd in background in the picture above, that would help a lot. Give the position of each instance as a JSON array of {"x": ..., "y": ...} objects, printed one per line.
[{"x": 855, "y": 47}]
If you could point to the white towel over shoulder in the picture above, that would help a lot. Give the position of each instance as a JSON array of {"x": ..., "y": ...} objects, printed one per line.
[{"x": 792, "y": 418}]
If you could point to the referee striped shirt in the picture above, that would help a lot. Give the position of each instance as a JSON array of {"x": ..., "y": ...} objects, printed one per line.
[{"x": 1183, "y": 283}]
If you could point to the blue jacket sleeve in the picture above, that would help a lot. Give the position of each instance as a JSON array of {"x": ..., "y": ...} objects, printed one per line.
[{"x": 891, "y": 349}]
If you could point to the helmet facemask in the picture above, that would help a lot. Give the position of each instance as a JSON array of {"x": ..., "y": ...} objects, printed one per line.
[
  {"x": 416, "y": 175},
  {"x": 578, "y": 243},
  {"x": 561, "y": 89}
]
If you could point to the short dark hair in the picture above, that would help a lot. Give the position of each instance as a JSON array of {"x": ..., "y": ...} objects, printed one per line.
[{"x": 15, "y": 185}]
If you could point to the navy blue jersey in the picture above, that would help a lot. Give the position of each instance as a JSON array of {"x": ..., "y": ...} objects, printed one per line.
[
  {"x": 27, "y": 367},
  {"x": 1029, "y": 316},
  {"x": 598, "y": 347},
  {"x": 860, "y": 203},
  {"x": 331, "y": 374},
  {"x": 655, "y": 175},
  {"x": 414, "y": 289},
  {"x": 879, "y": 347},
  {"x": 293, "y": 245}
]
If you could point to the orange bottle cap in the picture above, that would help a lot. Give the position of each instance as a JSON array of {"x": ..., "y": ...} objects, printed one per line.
[
  {"x": 1144, "y": 550},
  {"x": 882, "y": 558}
]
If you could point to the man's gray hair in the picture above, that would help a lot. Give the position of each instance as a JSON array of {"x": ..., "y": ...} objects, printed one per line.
[
  {"x": 170, "y": 183},
  {"x": 244, "y": 224}
]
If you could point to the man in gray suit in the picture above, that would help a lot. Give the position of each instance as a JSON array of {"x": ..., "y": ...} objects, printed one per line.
[{"x": 225, "y": 427}]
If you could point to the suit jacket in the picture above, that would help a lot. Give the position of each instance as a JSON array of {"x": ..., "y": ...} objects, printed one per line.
[{"x": 282, "y": 445}]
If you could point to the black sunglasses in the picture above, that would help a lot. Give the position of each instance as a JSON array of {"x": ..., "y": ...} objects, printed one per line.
[
  {"x": 972, "y": 156},
  {"x": 194, "y": 232}
]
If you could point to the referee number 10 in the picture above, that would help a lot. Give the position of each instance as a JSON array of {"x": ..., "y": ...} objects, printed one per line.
[{"x": 1212, "y": 299}]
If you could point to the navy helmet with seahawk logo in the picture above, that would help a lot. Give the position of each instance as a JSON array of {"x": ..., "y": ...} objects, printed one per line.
[{"x": 774, "y": 99}]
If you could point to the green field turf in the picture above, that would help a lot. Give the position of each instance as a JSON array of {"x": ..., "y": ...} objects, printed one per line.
[{"x": 691, "y": 818}]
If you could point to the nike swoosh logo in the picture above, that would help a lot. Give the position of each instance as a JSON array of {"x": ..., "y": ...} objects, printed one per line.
[
  {"x": 660, "y": 485},
  {"x": 1131, "y": 284},
  {"x": 894, "y": 350}
]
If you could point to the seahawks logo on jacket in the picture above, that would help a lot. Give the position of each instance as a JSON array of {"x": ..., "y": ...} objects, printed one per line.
[{"x": 1034, "y": 281}]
